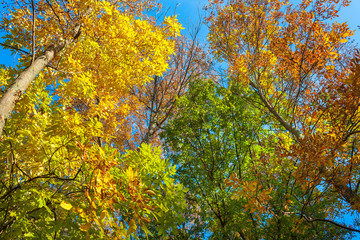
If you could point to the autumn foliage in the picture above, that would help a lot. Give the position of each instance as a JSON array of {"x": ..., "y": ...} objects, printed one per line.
[
  {"x": 114, "y": 126},
  {"x": 60, "y": 160}
]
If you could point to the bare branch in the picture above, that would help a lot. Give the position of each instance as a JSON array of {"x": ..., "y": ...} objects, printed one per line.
[
  {"x": 14, "y": 48},
  {"x": 281, "y": 120},
  {"x": 33, "y": 32},
  {"x": 309, "y": 219}
]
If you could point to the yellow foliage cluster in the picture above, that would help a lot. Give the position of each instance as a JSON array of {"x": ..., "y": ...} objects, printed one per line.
[{"x": 69, "y": 131}]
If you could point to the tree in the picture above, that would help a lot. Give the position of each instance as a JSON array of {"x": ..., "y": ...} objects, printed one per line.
[
  {"x": 270, "y": 154},
  {"x": 155, "y": 104},
  {"x": 239, "y": 187},
  {"x": 156, "y": 101},
  {"x": 61, "y": 174},
  {"x": 299, "y": 65}
]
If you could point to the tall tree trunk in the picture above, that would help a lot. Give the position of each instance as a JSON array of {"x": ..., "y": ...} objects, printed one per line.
[{"x": 22, "y": 82}]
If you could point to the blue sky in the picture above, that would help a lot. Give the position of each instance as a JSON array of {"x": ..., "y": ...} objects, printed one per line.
[
  {"x": 351, "y": 15},
  {"x": 189, "y": 13}
]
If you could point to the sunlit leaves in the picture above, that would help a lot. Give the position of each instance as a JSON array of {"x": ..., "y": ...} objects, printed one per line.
[
  {"x": 302, "y": 67},
  {"x": 59, "y": 153}
]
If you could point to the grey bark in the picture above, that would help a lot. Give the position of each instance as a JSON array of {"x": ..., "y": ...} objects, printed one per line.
[{"x": 22, "y": 82}]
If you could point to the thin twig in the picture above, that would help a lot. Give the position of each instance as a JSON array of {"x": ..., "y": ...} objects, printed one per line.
[
  {"x": 15, "y": 48},
  {"x": 33, "y": 32},
  {"x": 310, "y": 219},
  {"x": 332, "y": 222}
]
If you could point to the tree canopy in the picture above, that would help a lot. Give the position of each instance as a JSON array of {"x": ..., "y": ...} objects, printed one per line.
[{"x": 113, "y": 125}]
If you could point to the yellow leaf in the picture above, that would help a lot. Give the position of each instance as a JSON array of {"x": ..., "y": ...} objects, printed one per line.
[
  {"x": 343, "y": 40},
  {"x": 130, "y": 173},
  {"x": 65, "y": 205},
  {"x": 85, "y": 227},
  {"x": 108, "y": 10},
  {"x": 97, "y": 221},
  {"x": 93, "y": 205}
]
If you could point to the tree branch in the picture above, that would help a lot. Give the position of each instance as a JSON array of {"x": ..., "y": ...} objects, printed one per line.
[
  {"x": 33, "y": 32},
  {"x": 48, "y": 176},
  {"x": 281, "y": 120},
  {"x": 14, "y": 48},
  {"x": 309, "y": 219}
]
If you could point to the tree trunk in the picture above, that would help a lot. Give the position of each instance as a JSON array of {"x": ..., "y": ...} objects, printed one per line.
[{"x": 22, "y": 82}]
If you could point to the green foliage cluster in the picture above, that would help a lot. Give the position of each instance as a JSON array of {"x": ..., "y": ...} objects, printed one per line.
[{"x": 217, "y": 134}]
